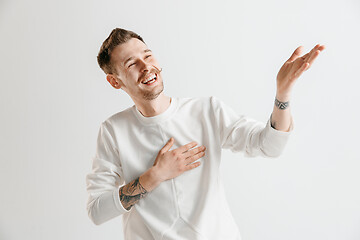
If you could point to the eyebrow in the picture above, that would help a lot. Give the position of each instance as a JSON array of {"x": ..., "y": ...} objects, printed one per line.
[{"x": 130, "y": 58}]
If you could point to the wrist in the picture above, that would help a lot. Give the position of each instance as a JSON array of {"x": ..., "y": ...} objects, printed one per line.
[
  {"x": 150, "y": 179},
  {"x": 282, "y": 97},
  {"x": 155, "y": 175}
]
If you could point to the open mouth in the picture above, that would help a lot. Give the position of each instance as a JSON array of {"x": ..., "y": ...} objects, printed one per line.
[{"x": 151, "y": 80}]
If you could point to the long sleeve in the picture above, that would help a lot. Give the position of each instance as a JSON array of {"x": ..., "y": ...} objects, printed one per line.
[
  {"x": 105, "y": 179},
  {"x": 243, "y": 134}
]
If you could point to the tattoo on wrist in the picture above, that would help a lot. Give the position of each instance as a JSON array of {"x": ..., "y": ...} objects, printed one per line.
[
  {"x": 281, "y": 105},
  {"x": 131, "y": 193}
]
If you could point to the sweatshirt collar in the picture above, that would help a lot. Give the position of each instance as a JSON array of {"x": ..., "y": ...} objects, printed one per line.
[{"x": 160, "y": 117}]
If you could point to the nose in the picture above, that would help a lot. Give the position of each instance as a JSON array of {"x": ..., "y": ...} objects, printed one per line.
[{"x": 144, "y": 66}]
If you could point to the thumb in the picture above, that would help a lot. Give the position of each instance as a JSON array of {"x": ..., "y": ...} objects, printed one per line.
[
  {"x": 295, "y": 54},
  {"x": 168, "y": 145}
]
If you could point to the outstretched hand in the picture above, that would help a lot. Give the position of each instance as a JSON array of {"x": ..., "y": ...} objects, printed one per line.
[{"x": 294, "y": 67}]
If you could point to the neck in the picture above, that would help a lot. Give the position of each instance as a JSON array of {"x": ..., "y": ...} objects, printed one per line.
[{"x": 151, "y": 108}]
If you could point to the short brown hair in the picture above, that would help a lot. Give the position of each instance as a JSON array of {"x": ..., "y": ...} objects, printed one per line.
[{"x": 116, "y": 37}]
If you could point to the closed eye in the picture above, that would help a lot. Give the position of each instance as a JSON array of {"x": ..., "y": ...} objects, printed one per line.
[{"x": 147, "y": 56}]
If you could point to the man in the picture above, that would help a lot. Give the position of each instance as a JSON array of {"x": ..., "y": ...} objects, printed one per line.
[{"x": 148, "y": 166}]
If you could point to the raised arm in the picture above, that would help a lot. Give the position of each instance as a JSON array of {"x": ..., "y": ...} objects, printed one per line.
[{"x": 286, "y": 78}]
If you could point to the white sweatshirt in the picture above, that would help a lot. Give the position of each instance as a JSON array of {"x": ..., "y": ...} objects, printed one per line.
[{"x": 193, "y": 205}]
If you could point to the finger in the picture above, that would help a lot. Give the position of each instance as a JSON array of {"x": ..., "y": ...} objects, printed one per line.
[
  {"x": 193, "y": 159},
  {"x": 192, "y": 166},
  {"x": 316, "y": 53},
  {"x": 194, "y": 151},
  {"x": 312, "y": 58},
  {"x": 313, "y": 52},
  {"x": 186, "y": 147},
  {"x": 168, "y": 145},
  {"x": 305, "y": 56},
  {"x": 301, "y": 70},
  {"x": 309, "y": 54},
  {"x": 295, "y": 54},
  {"x": 322, "y": 47}
]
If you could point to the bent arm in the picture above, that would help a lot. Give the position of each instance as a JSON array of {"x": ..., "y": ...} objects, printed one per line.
[
  {"x": 108, "y": 196},
  {"x": 240, "y": 133}
]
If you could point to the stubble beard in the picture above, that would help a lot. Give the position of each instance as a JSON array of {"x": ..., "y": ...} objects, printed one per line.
[{"x": 150, "y": 95}]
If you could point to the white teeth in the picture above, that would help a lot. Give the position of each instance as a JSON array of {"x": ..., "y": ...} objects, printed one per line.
[
  {"x": 150, "y": 78},
  {"x": 151, "y": 81}
]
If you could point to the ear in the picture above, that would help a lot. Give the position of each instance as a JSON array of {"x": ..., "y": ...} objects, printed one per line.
[{"x": 115, "y": 82}]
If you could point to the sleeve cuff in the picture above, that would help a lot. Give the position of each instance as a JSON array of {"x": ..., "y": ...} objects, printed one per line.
[
  {"x": 275, "y": 131},
  {"x": 117, "y": 201},
  {"x": 274, "y": 141}
]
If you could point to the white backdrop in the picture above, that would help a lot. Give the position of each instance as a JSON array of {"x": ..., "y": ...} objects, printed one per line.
[{"x": 54, "y": 97}]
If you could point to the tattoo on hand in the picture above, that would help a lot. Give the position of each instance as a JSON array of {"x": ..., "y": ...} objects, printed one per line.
[
  {"x": 131, "y": 193},
  {"x": 281, "y": 105}
]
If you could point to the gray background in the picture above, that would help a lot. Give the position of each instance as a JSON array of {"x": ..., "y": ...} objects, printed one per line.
[{"x": 54, "y": 97}]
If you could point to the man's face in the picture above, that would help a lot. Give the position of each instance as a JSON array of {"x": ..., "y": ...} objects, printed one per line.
[{"x": 136, "y": 64}]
